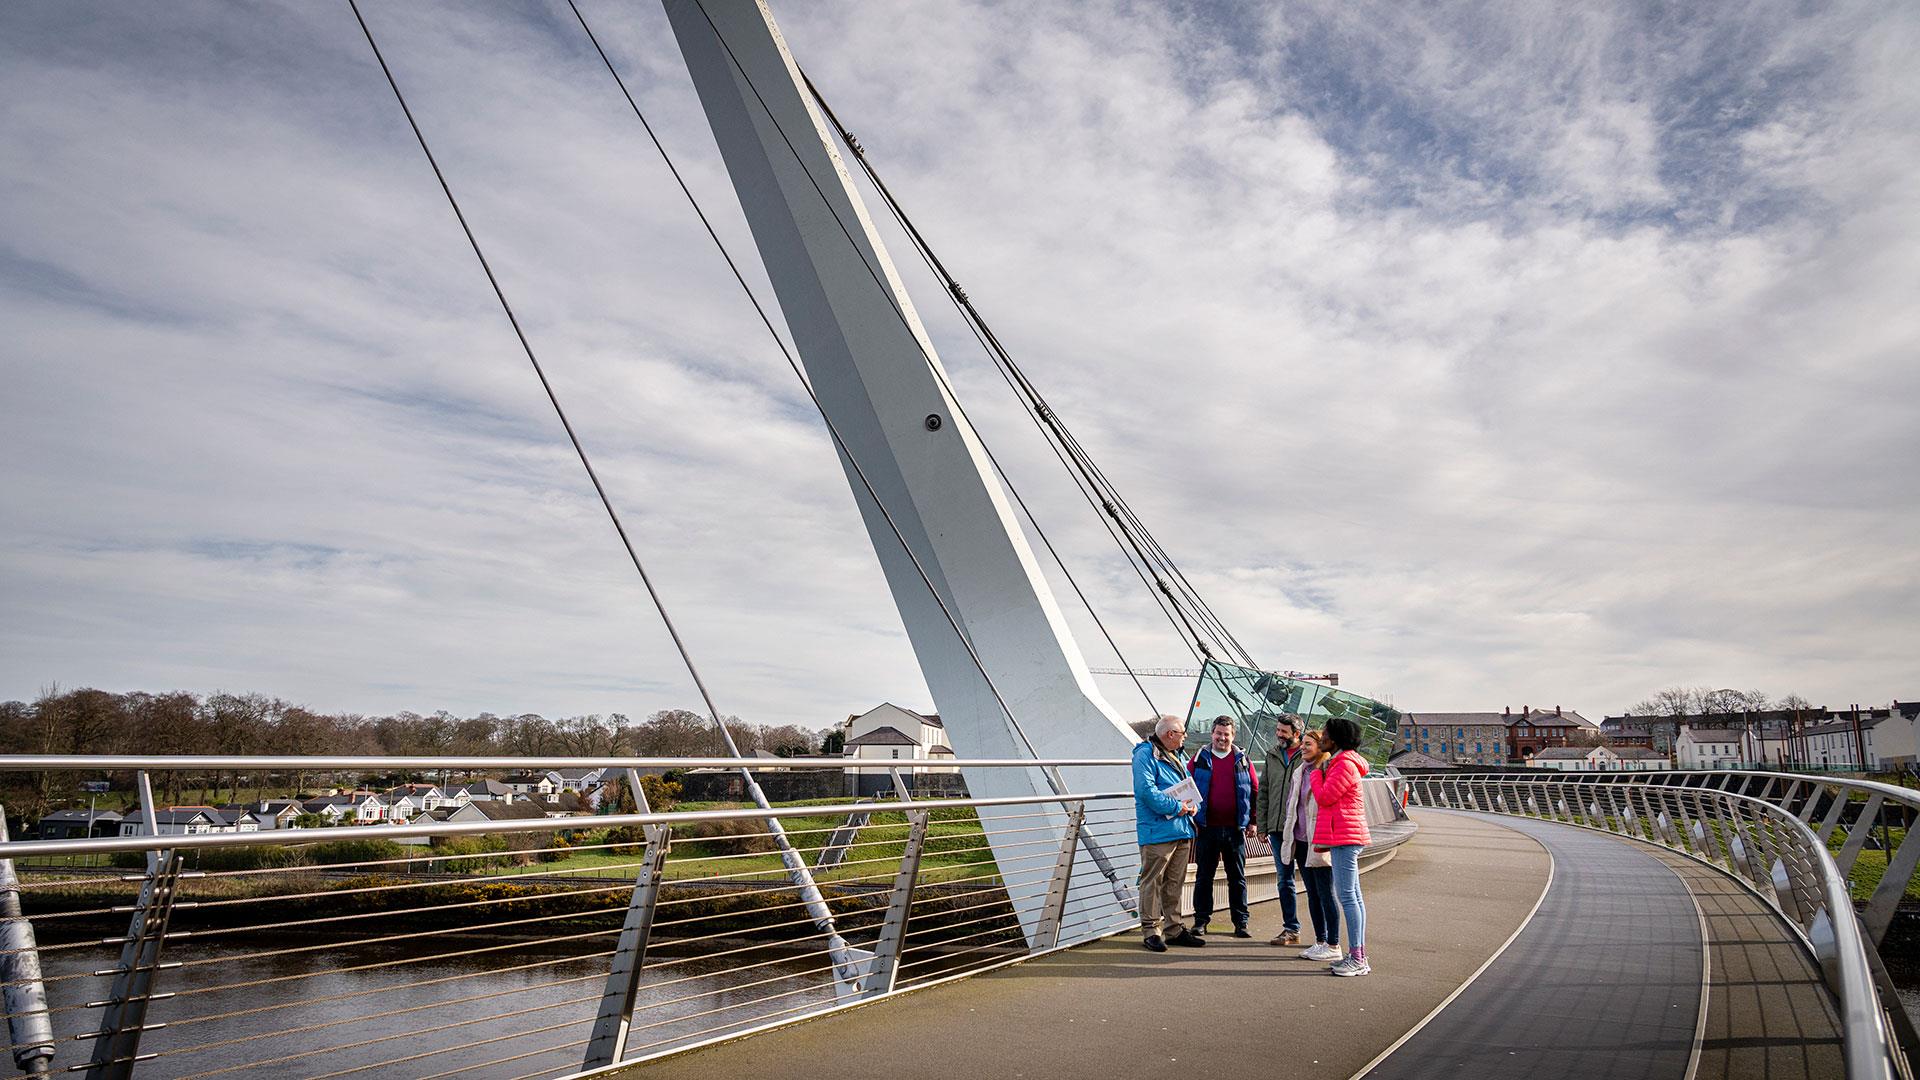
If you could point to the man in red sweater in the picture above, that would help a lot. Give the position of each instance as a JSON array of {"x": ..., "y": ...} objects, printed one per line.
[{"x": 1228, "y": 786}]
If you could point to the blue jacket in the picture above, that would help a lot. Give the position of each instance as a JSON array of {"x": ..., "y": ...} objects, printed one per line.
[
  {"x": 1157, "y": 817},
  {"x": 1202, "y": 766}
]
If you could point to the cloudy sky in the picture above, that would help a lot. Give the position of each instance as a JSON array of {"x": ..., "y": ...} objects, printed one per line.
[{"x": 1487, "y": 353}]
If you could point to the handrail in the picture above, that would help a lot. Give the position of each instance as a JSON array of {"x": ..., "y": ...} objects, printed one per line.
[
  {"x": 1870, "y": 1049},
  {"x": 288, "y": 763},
  {"x": 108, "y": 844}
]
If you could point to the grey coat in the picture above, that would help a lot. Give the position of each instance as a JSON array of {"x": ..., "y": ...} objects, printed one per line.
[{"x": 1299, "y": 793}]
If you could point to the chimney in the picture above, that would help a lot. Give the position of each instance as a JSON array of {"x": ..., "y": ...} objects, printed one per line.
[
  {"x": 1506, "y": 710},
  {"x": 1556, "y": 710},
  {"x": 1524, "y": 710}
]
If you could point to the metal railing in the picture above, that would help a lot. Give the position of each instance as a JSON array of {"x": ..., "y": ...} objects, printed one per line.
[
  {"x": 538, "y": 946},
  {"x": 1759, "y": 828}
]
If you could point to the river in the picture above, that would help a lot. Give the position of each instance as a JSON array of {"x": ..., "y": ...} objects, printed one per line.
[{"x": 510, "y": 1013}]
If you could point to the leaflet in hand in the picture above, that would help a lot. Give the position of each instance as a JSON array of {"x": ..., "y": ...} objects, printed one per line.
[{"x": 1186, "y": 791}]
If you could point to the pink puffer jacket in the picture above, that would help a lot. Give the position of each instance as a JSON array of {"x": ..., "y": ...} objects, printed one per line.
[{"x": 1336, "y": 790}]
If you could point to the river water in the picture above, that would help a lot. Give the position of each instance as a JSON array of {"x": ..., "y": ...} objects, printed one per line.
[{"x": 513, "y": 1012}]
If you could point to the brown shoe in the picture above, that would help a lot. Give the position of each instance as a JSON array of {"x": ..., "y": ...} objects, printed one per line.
[{"x": 1286, "y": 937}]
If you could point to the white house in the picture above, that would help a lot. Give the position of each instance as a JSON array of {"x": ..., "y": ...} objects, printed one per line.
[
  {"x": 177, "y": 821},
  {"x": 1641, "y": 759},
  {"x": 1574, "y": 758},
  {"x": 355, "y": 807},
  {"x": 576, "y": 780},
  {"x": 1707, "y": 748},
  {"x": 531, "y": 784},
  {"x": 1887, "y": 735},
  {"x": 481, "y": 791},
  {"x": 417, "y": 799},
  {"x": 889, "y": 733}
]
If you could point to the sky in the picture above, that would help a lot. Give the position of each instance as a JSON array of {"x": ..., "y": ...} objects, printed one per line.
[{"x": 1489, "y": 354}]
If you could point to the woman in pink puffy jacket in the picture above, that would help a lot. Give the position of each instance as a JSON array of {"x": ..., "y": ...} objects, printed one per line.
[{"x": 1341, "y": 829}]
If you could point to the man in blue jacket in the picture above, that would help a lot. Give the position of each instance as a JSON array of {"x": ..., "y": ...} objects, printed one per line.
[
  {"x": 1164, "y": 826},
  {"x": 1223, "y": 825}
]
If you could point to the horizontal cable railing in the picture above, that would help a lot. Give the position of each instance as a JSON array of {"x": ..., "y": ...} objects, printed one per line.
[
  {"x": 544, "y": 946},
  {"x": 1760, "y": 829},
  {"x": 533, "y": 946}
]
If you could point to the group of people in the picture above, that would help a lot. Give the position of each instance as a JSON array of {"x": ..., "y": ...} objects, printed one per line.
[{"x": 1305, "y": 800}]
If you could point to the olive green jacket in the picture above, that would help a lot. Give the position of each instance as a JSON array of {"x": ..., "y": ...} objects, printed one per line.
[{"x": 1270, "y": 802}]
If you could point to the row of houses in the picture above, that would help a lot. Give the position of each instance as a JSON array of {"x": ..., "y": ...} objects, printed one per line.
[
  {"x": 557, "y": 793},
  {"x": 1877, "y": 739},
  {"x": 1490, "y": 738}
]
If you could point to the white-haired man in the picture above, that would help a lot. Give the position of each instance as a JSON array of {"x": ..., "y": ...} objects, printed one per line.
[{"x": 1164, "y": 825}]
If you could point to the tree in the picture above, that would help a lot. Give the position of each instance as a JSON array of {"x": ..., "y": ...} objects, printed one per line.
[
  {"x": 833, "y": 742},
  {"x": 675, "y": 733}
]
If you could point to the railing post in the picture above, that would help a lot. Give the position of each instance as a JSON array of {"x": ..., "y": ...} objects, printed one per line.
[
  {"x": 117, "y": 1045},
  {"x": 1893, "y": 885},
  {"x": 1832, "y": 813},
  {"x": 29, "y": 1025},
  {"x": 1048, "y": 932},
  {"x": 1722, "y": 835},
  {"x": 1789, "y": 899},
  {"x": 610, "y": 1025},
  {"x": 886, "y": 951},
  {"x": 1857, "y": 836}
]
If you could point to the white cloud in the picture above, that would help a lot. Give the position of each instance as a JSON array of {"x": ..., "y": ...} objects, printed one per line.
[{"x": 1485, "y": 356}]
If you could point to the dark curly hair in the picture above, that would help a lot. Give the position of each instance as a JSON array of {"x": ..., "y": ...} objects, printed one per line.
[{"x": 1344, "y": 732}]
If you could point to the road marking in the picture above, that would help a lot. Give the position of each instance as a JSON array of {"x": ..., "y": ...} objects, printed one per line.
[{"x": 1462, "y": 988}]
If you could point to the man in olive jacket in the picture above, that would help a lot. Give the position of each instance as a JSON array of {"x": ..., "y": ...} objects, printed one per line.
[{"x": 1270, "y": 809}]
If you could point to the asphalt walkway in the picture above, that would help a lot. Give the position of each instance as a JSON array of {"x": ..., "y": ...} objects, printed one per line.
[
  {"x": 1435, "y": 913},
  {"x": 1607, "y": 981}
]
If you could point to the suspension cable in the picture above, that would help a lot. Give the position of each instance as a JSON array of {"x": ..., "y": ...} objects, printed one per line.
[
  {"x": 885, "y": 292},
  {"x": 1105, "y": 498},
  {"x": 1113, "y": 504},
  {"x": 832, "y": 429},
  {"x": 796, "y": 866}
]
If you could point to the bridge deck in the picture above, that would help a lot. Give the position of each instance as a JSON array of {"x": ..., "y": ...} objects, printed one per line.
[
  {"x": 1604, "y": 979},
  {"x": 1436, "y": 912}
]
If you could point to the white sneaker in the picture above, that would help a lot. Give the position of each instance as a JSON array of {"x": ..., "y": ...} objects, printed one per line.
[
  {"x": 1321, "y": 951},
  {"x": 1350, "y": 965}
]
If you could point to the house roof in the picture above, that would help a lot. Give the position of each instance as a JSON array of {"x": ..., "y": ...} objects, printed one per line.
[
  {"x": 81, "y": 815},
  {"x": 1712, "y": 734},
  {"x": 1414, "y": 759},
  {"x": 490, "y": 787},
  {"x": 183, "y": 815},
  {"x": 576, "y": 774},
  {"x": 883, "y": 736},
  {"x": 930, "y": 719},
  {"x": 1454, "y": 719},
  {"x": 1636, "y": 753},
  {"x": 1567, "y": 753},
  {"x": 515, "y": 811},
  {"x": 1866, "y": 724},
  {"x": 941, "y": 750}
]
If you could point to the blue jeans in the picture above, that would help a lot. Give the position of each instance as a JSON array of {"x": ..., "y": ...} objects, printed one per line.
[
  {"x": 1346, "y": 888},
  {"x": 1283, "y": 871}
]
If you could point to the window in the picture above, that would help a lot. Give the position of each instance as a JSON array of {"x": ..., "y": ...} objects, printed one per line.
[
  {"x": 896, "y": 753},
  {"x": 1459, "y": 733}
]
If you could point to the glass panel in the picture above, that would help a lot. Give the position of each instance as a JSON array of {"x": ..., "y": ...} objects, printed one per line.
[{"x": 1257, "y": 698}]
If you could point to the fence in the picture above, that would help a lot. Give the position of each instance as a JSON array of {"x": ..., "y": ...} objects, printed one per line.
[
  {"x": 1761, "y": 829},
  {"x": 600, "y": 942}
]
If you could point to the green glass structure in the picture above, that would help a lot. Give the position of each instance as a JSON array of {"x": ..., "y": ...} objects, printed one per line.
[{"x": 1257, "y": 699}]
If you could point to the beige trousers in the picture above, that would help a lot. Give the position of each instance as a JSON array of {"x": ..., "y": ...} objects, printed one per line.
[{"x": 1163, "y": 877}]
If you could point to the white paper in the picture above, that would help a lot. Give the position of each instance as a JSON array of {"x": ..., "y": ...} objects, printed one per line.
[{"x": 1186, "y": 791}]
